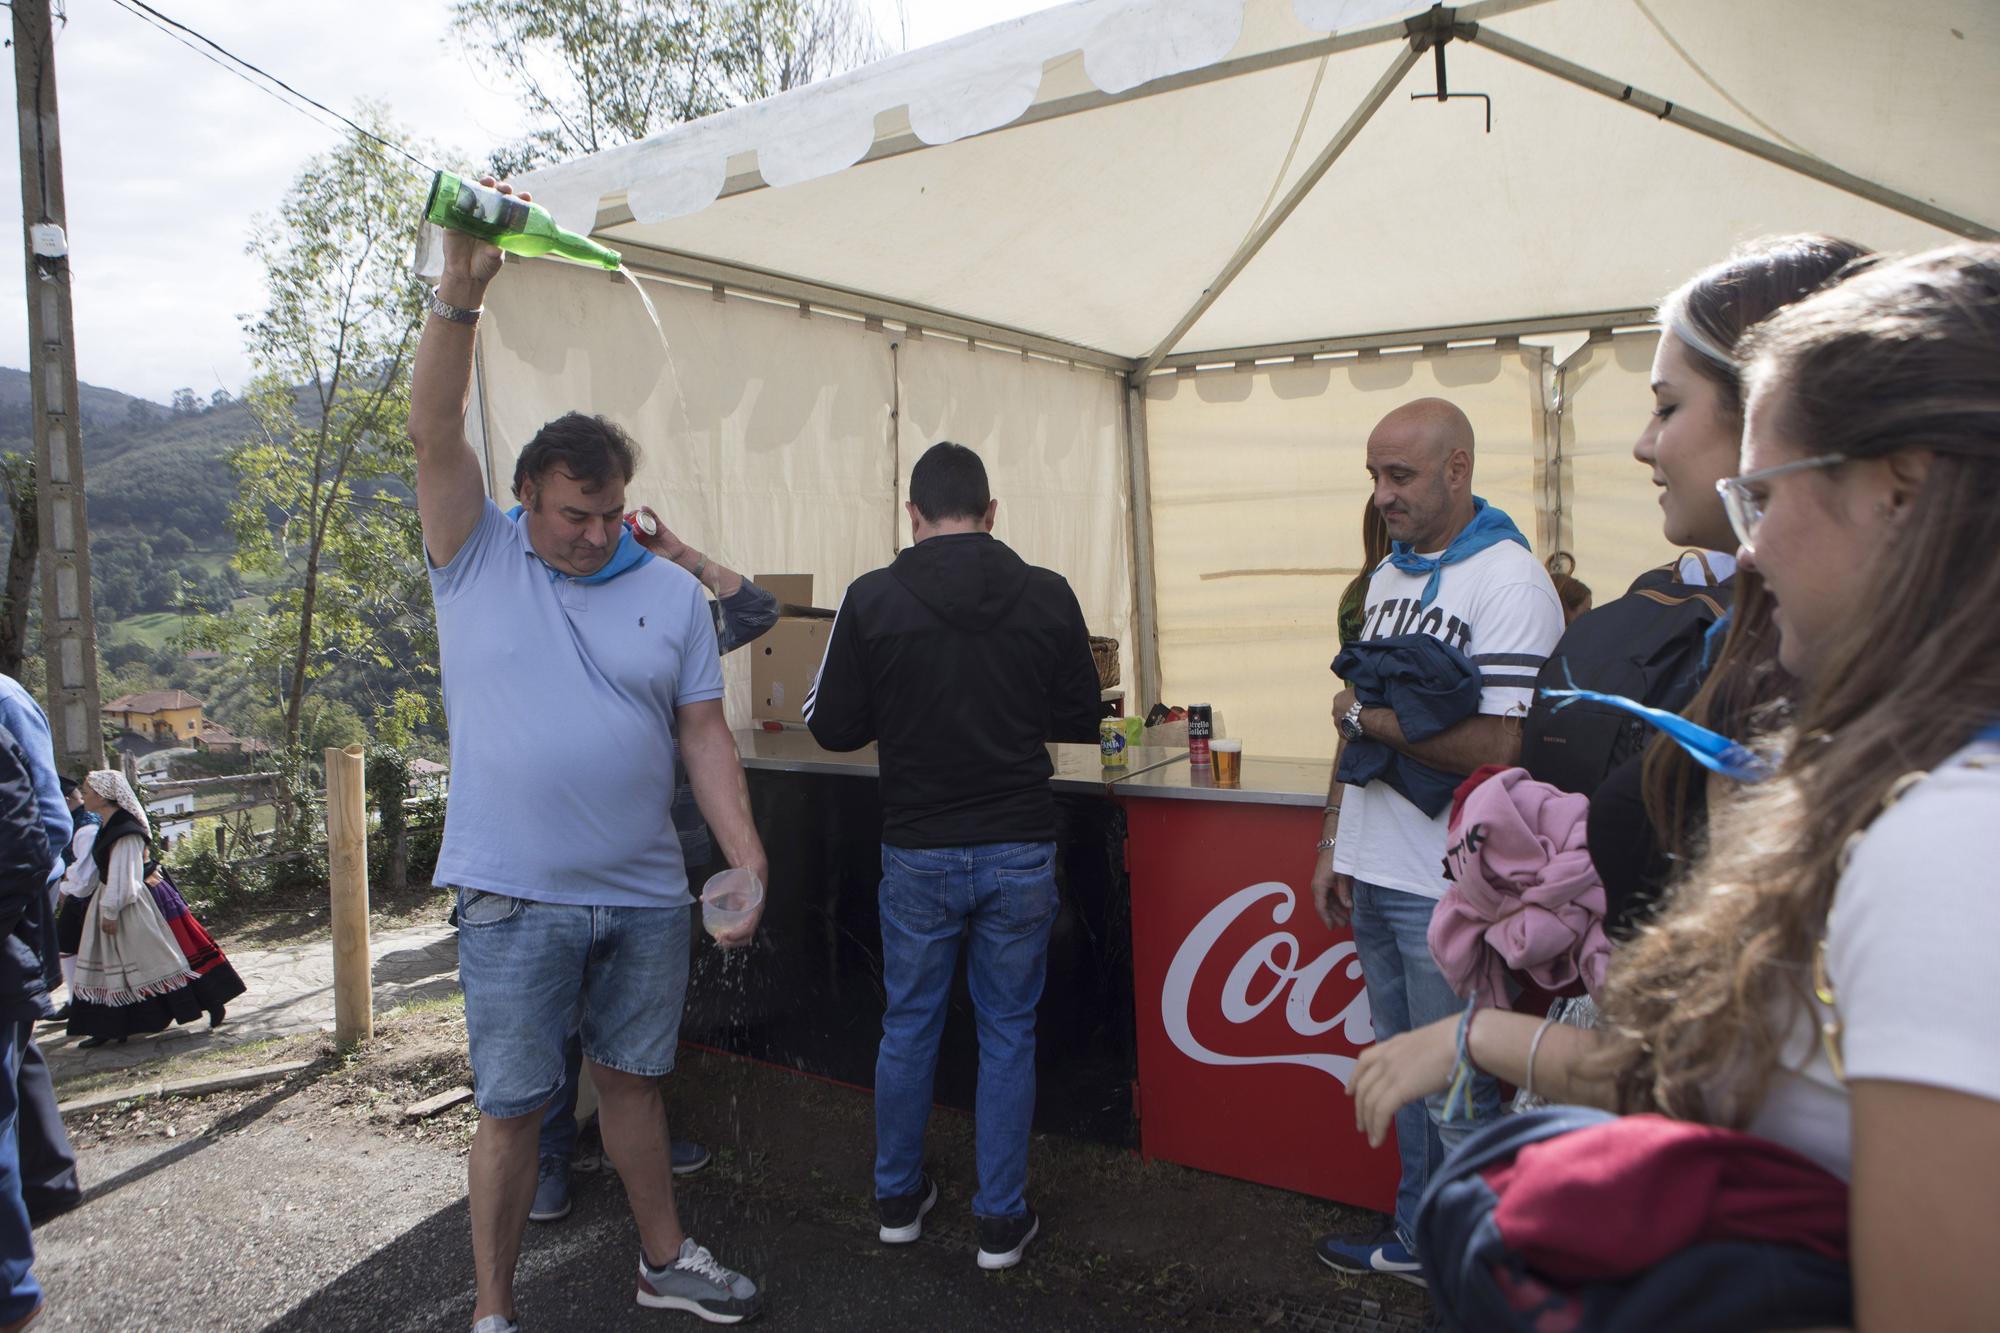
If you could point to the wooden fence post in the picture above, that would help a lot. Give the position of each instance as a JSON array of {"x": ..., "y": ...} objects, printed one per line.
[{"x": 347, "y": 864}]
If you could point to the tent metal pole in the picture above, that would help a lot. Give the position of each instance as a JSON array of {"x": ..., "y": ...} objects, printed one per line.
[
  {"x": 1144, "y": 690},
  {"x": 672, "y": 265},
  {"x": 1494, "y": 330},
  {"x": 1268, "y": 228},
  {"x": 1660, "y": 108}
]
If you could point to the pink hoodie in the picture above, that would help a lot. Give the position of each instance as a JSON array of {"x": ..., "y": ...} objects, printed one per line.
[{"x": 1524, "y": 896}]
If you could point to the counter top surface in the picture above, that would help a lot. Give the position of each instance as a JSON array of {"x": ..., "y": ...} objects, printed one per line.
[
  {"x": 1274, "y": 781},
  {"x": 1152, "y": 771}
]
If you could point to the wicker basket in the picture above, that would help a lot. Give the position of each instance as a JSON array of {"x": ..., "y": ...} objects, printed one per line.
[{"x": 1104, "y": 652}]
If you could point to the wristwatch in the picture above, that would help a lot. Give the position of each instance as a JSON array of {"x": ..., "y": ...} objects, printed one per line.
[
  {"x": 444, "y": 309},
  {"x": 1350, "y": 722}
]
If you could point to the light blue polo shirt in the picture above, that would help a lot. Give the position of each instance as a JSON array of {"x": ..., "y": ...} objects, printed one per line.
[{"x": 560, "y": 697}]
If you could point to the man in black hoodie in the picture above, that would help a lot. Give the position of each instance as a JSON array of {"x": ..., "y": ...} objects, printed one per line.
[{"x": 962, "y": 661}]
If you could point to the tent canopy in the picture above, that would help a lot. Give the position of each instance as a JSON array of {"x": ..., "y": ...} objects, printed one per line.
[
  {"x": 1163, "y": 263},
  {"x": 1083, "y": 174}
]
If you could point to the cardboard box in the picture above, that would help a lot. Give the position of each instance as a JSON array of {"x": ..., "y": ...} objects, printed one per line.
[
  {"x": 790, "y": 589},
  {"x": 782, "y": 666}
]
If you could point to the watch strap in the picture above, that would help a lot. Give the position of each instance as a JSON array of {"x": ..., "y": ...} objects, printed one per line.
[{"x": 444, "y": 309}]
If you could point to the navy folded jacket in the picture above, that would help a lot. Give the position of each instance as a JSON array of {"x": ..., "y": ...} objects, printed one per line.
[{"x": 1430, "y": 686}]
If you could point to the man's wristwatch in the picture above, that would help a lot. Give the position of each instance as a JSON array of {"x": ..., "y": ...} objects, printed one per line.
[
  {"x": 444, "y": 309},
  {"x": 1350, "y": 722}
]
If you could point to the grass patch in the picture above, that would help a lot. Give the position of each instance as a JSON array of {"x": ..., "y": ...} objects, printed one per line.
[
  {"x": 153, "y": 629},
  {"x": 205, "y": 1063},
  {"x": 438, "y": 1006}
]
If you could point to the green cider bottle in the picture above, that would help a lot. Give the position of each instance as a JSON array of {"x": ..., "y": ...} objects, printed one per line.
[{"x": 513, "y": 224}]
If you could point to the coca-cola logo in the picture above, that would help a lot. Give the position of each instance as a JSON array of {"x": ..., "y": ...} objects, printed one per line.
[{"x": 1268, "y": 968}]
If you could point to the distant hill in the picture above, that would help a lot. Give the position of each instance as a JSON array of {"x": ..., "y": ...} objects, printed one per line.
[{"x": 146, "y": 466}]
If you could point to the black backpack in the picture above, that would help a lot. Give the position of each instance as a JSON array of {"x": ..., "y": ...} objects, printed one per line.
[{"x": 1647, "y": 645}]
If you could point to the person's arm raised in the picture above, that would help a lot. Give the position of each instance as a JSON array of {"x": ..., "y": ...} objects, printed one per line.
[{"x": 450, "y": 492}]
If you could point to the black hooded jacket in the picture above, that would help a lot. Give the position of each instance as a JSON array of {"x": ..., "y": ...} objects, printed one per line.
[{"x": 962, "y": 661}]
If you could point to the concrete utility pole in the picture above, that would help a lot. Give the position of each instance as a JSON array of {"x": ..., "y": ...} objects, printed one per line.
[{"x": 69, "y": 628}]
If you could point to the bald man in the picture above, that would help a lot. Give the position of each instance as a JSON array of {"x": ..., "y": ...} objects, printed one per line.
[{"x": 1461, "y": 572}]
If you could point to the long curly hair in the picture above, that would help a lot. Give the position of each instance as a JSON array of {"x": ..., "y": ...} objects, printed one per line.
[{"x": 1905, "y": 356}]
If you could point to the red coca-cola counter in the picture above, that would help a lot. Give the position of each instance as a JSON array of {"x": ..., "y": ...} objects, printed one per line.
[{"x": 1250, "y": 1012}]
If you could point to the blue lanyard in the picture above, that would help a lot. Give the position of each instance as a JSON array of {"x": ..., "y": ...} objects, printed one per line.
[{"x": 1711, "y": 749}]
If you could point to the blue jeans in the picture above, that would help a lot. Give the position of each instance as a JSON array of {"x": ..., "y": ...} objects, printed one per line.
[
  {"x": 19, "y": 1292},
  {"x": 1406, "y": 991},
  {"x": 1002, "y": 898}
]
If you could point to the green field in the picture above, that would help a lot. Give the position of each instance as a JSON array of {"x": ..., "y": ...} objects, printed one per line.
[{"x": 152, "y": 629}]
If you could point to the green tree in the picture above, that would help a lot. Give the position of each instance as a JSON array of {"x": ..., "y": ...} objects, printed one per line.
[
  {"x": 598, "y": 73},
  {"x": 322, "y": 515}
]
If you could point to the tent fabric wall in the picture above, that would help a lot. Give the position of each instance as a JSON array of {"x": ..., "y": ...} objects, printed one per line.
[
  {"x": 1259, "y": 479},
  {"x": 772, "y": 442},
  {"x": 1052, "y": 438},
  {"x": 1611, "y": 510}
]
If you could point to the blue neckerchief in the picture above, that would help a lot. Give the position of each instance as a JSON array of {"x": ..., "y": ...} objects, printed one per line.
[
  {"x": 629, "y": 555},
  {"x": 1488, "y": 527},
  {"x": 1990, "y": 733}
]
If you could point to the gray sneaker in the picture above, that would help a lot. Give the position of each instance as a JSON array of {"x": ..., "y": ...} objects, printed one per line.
[
  {"x": 701, "y": 1286},
  {"x": 496, "y": 1323}
]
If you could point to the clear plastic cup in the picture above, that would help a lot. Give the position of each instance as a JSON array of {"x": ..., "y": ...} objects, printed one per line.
[{"x": 729, "y": 900}]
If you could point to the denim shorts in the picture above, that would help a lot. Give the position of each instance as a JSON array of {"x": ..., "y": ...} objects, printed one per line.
[{"x": 535, "y": 972}]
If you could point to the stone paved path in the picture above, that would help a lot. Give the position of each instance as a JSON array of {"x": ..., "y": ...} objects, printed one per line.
[{"x": 290, "y": 991}]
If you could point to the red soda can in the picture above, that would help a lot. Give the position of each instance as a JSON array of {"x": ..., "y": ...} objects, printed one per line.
[
  {"x": 1201, "y": 729},
  {"x": 642, "y": 522}
]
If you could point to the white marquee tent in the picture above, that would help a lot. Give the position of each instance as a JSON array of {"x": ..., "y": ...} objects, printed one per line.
[{"x": 1164, "y": 262}]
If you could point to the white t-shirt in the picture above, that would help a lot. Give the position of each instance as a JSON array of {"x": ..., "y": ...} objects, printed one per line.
[
  {"x": 1499, "y": 609},
  {"x": 1910, "y": 955}
]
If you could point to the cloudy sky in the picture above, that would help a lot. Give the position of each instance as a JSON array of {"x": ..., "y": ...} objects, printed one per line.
[{"x": 167, "y": 157}]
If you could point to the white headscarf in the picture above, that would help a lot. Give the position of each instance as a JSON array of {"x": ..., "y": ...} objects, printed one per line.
[{"x": 112, "y": 786}]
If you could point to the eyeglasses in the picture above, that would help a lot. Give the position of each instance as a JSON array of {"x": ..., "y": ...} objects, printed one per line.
[{"x": 1745, "y": 509}]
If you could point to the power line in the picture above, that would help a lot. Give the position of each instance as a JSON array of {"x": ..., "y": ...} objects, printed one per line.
[{"x": 237, "y": 65}]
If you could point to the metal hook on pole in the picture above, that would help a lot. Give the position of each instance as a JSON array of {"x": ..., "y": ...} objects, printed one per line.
[{"x": 1436, "y": 30}]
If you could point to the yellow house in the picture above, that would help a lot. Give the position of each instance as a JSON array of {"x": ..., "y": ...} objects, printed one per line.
[{"x": 158, "y": 715}]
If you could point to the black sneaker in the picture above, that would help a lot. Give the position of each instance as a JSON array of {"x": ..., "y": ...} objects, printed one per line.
[
  {"x": 902, "y": 1217},
  {"x": 1001, "y": 1239}
]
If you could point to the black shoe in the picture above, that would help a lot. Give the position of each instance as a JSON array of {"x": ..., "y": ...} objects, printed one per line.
[
  {"x": 1001, "y": 1239},
  {"x": 59, "y": 1016},
  {"x": 902, "y": 1217},
  {"x": 218, "y": 1016},
  {"x": 44, "y": 1205},
  {"x": 92, "y": 1043}
]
